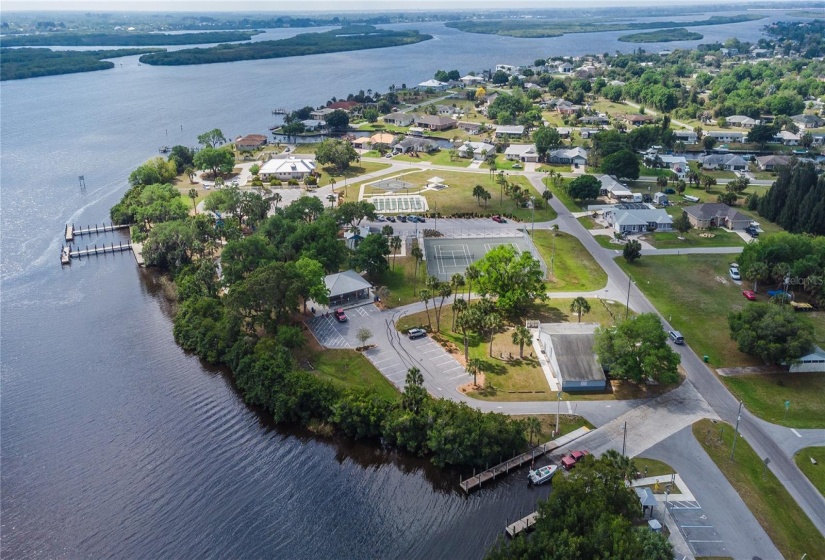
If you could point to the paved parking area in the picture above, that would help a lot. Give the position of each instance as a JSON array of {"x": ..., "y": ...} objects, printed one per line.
[
  {"x": 332, "y": 334},
  {"x": 697, "y": 529}
]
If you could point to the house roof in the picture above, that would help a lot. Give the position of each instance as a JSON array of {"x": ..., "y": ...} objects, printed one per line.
[
  {"x": 612, "y": 185},
  {"x": 572, "y": 350},
  {"x": 345, "y": 105},
  {"x": 710, "y": 210},
  {"x": 468, "y": 125},
  {"x": 520, "y": 149},
  {"x": 742, "y": 119},
  {"x": 288, "y": 165},
  {"x": 345, "y": 282},
  {"x": 646, "y": 497},
  {"x": 399, "y": 116},
  {"x": 642, "y": 216},
  {"x": 313, "y": 123},
  {"x": 786, "y": 135},
  {"x": 569, "y": 153},
  {"x": 382, "y": 138},
  {"x": 510, "y": 129},
  {"x": 772, "y": 160},
  {"x": 478, "y": 147},
  {"x": 323, "y": 111},
  {"x": 817, "y": 354},
  {"x": 251, "y": 139},
  {"x": 726, "y": 134},
  {"x": 432, "y": 84},
  {"x": 810, "y": 120},
  {"x": 722, "y": 159},
  {"x": 438, "y": 120}
]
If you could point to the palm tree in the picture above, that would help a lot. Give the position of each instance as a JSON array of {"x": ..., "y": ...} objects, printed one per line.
[
  {"x": 580, "y": 305},
  {"x": 387, "y": 231},
  {"x": 445, "y": 290},
  {"x": 533, "y": 426},
  {"x": 661, "y": 182},
  {"x": 383, "y": 293},
  {"x": 332, "y": 182},
  {"x": 622, "y": 463},
  {"x": 475, "y": 366},
  {"x": 547, "y": 195},
  {"x": 467, "y": 321},
  {"x": 471, "y": 273},
  {"x": 331, "y": 198},
  {"x": 424, "y": 295},
  {"x": 193, "y": 194},
  {"x": 459, "y": 307},
  {"x": 758, "y": 272},
  {"x": 456, "y": 282},
  {"x": 189, "y": 171},
  {"x": 418, "y": 255},
  {"x": 395, "y": 245},
  {"x": 276, "y": 198},
  {"x": 522, "y": 336},
  {"x": 492, "y": 322}
]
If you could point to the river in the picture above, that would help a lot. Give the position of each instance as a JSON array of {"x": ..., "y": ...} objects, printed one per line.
[{"x": 115, "y": 443}]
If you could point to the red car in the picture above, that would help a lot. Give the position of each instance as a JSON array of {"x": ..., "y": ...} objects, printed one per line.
[
  {"x": 340, "y": 316},
  {"x": 749, "y": 294},
  {"x": 499, "y": 219},
  {"x": 570, "y": 461}
]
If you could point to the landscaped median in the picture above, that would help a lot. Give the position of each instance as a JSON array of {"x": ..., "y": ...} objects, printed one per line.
[{"x": 774, "y": 508}]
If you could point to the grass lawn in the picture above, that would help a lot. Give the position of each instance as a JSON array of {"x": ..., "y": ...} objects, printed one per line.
[
  {"x": 401, "y": 281},
  {"x": 692, "y": 238},
  {"x": 695, "y": 294},
  {"x": 458, "y": 197},
  {"x": 815, "y": 473},
  {"x": 654, "y": 467},
  {"x": 567, "y": 423},
  {"x": 347, "y": 369},
  {"x": 441, "y": 157},
  {"x": 355, "y": 170},
  {"x": 606, "y": 242},
  {"x": 574, "y": 269},
  {"x": 775, "y": 510},
  {"x": 564, "y": 198},
  {"x": 588, "y": 222},
  {"x": 765, "y": 396},
  {"x": 504, "y": 164}
]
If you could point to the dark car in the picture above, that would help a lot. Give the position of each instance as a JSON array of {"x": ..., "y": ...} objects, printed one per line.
[
  {"x": 340, "y": 316},
  {"x": 670, "y": 191},
  {"x": 416, "y": 333},
  {"x": 402, "y": 219},
  {"x": 752, "y": 231},
  {"x": 421, "y": 220},
  {"x": 391, "y": 219},
  {"x": 499, "y": 219}
]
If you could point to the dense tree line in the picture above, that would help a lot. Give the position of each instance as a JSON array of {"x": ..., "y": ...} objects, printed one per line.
[
  {"x": 337, "y": 40},
  {"x": 125, "y": 39},
  {"x": 18, "y": 64},
  {"x": 796, "y": 200},
  {"x": 636, "y": 349}
]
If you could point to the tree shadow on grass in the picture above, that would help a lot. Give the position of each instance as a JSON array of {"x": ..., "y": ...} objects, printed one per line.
[{"x": 547, "y": 313}]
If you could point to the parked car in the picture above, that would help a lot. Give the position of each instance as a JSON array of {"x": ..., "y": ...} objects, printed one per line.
[
  {"x": 389, "y": 155},
  {"x": 570, "y": 461},
  {"x": 340, "y": 316},
  {"x": 421, "y": 219},
  {"x": 416, "y": 333},
  {"x": 749, "y": 294},
  {"x": 669, "y": 191},
  {"x": 676, "y": 337},
  {"x": 380, "y": 218},
  {"x": 752, "y": 231},
  {"x": 734, "y": 273},
  {"x": 499, "y": 219},
  {"x": 391, "y": 219},
  {"x": 402, "y": 218}
]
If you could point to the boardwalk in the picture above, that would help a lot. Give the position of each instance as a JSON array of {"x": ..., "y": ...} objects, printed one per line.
[
  {"x": 524, "y": 524},
  {"x": 477, "y": 481},
  {"x": 71, "y": 231}
]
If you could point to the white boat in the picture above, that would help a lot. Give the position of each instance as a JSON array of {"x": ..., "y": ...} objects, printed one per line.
[{"x": 542, "y": 474}]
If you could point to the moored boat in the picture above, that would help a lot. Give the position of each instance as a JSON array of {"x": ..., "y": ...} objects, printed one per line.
[{"x": 542, "y": 474}]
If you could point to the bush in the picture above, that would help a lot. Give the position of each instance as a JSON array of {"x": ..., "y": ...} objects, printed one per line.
[
  {"x": 275, "y": 183},
  {"x": 292, "y": 182},
  {"x": 311, "y": 180}
]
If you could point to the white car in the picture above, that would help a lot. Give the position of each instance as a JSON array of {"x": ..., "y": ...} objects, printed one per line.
[{"x": 734, "y": 273}]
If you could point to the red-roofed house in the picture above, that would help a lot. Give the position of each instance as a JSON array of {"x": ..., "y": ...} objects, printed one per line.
[
  {"x": 250, "y": 142},
  {"x": 345, "y": 105}
]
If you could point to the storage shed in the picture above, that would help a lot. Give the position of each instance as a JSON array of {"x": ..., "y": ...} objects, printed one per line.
[{"x": 569, "y": 349}]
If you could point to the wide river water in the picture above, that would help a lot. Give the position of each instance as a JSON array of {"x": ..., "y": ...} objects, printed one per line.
[{"x": 115, "y": 443}]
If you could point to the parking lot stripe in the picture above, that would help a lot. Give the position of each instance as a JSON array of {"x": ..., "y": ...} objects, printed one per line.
[
  {"x": 697, "y": 526},
  {"x": 797, "y": 434}
]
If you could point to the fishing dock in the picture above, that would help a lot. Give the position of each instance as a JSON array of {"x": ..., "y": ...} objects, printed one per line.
[
  {"x": 477, "y": 480},
  {"x": 524, "y": 524},
  {"x": 279, "y": 111},
  {"x": 72, "y": 232}
]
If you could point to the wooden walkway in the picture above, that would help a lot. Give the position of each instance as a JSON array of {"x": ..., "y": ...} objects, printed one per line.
[
  {"x": 475, "y": 482},
  {"x": 72, "y": 231},
  {"x": 524, "y": 524}
]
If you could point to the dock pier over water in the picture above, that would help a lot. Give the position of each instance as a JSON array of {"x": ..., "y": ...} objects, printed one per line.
[{"x": 72, "y": 232}]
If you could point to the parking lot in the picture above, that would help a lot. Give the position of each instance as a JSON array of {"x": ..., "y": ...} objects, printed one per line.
[
  {"x": 332, "y": 334},
  {"x": 697, "y": 529}
]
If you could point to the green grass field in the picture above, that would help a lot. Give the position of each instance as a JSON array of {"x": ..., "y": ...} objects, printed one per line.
[
  {"x": 606, "y": 242},
  {"x": 574, "y": 269},
  {"x": 441, "y": 157},
  {"x": 765, "y": 396},
  {"x": 349, "y": 369},
  {"x": 402, "y": 281},
  {"x": 774, "y": 508},
  {"x": 654, "y": 467},
  {"x": 588, "y": 222},
  {"x": 694, "y": 238},
  {"x": 814, "y": 472}
]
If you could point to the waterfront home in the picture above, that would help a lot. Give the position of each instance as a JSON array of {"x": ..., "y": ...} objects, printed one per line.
[
  {"x": 509, "y": 131},
  {"x": 250, "y": 142},
  {"x": 804, "y": 122},
  {"x": 574, "y": 156},
  {"x": 686, "y": 136},
  {"x": 313, "y": 125},
  {"x": 469, "y": 127},
  {"x": 399, "y": 119},
  {"x": 347, "y": 106},
  {"x": 320, "y": 114},
  {"x": 595, "y": 120},
  {"x": 413, "y": 144},
  {"x": 612, "y": 188},
  {"x": 435, "y": 122},
  {"x": 637, "y": 218},
  {"x": 727, "y": 136},
  {"x": 638, "y": 120},
  {"x": 471, "y": 80},
  {"x": 433, "y": 85},
  {"x": 716, "y": 214},
  {"x": 508, "y": 68},
  {"x": 742, "y": 121},
  {"x": 770, "y": 163},
  {"x": 382, "y": 138},
  {"x": 476, "y": 150},
  {"x": 729, "y": 162},
  {"x": 287, "y": 168},
  {"x": 564, "y": 68},
  {"x": 521, "y": 152},
  {"x": 786, "y": 138}
]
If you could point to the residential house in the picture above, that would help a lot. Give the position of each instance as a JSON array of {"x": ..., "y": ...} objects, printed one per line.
[
  {"x": 730, "y": 162},
  {"x": 564, "y": 131},
  {"x": 727, "y": 136},
  {"x": 354, "y": 237},
  {"x": 813, "y": 362},
  {"x": 686, "y": 136},
  {"x": 729, "y": 52},
  {"x": 435, "y": 122},
  {"x": 414, "y": 144},
  {"x": 716, "y": 214},
  {"x": 567, "y": 108},
  {"x": 639, "y": 120},
  {"x": 469, "y": 127},
  {"x": 676, "y": 164},
  {"x": 445, "y": 110},
  {"x": 313, "y": 125},
  {"x": 287, "y": 168},
  {"x": 347, "y": 106},
  {"x": 521, "y": 152},
  {"x": 509, "y": 131},
  {"x": 618, "y": 83},
  {"x": 786, "y": 138},
  {"x": 804, "y": 122},
  {"x": 637, "y": 218},
  {"x": 564, "y": 68},
  {"x": 569, "y": 349},
  {"x": 530, "y": 85},
  {"x": 742, "y": 121},
  {"x": 472, "y": 80},
  {"x": 399, "y": 119},
  {"x": 476, "y": 150},
  {"x": 382, "y": 138},
  {"x": 770, "y": 163},
  {"x": 432, "y": 84},
  {"x": 595, "y": 120},
  {"x": 588, "y": 132},
  {"x": 612, "y": 188},
  {"x": 508, "y": 68},
  {"x": 574, "y": 156},
  {"x": 250, "y": 142},
  {"x": 320, "y": 114}
]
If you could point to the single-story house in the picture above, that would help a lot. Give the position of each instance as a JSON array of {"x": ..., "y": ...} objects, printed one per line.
[
  {"x": 399, "y": 119},
  {"x": 639, "y": 120},
  {"x": 786, "y": 138},
  {"x": 813, "y": 362},
  {"x": 564, "y": 68},
  {"x": 716, "y": 214},
  {"x": 564, "y": 131},
  {"x": 567, "y": 108},
  {"x": 446, "y": 110},
  {"x": 727, "y": 136},
  {"x": 432, "y": 84},
  {"x": 575, "y": 156},
  {"x": 521, "y": 152},
  {"x": 382, "y": 138},
  {"x": 531, "y": 85},
  {"x": 286, "y": 169},
  {"x": 729, "y": 52},
  {"x": 415, "y": 144},
  {"x": 568, "y": 348},
  {"x": 597, "y": 120},
  {"x": 630, "y": 219},
  {"x": 435, "y": 122},
  {"x": 588, "y": 132},
  {"x": 731, "y": 162},
  {"x": 320, "y": 114},
  {"x": 509, "y": 131},
  {"x": 805, "y": 122},
  {"x": 677, "y": 164},
  {"x": 314, "y": 125},
  {"x": 343, "y": 105},
  {"x": 612, "y": 188},
  {"x": 476, "y": 150},
  {"x": 361, "y": 142},
  {"x": 471, "y": 80},
  {"x": 250, "y": 142},
  {"x": 469, "y": 127},
  {"x": 769, "y": 163},
  {"x": 686, "y": 136},
  {"x": 346, "y": 286},
  {"x": 509, "y": 68},
  {"x": 742, "y": 121}
]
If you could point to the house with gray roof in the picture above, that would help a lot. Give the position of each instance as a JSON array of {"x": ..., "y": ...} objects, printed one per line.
[
  {"x": 509, "y": 131},
  {"x": 521, "y": 152},
  {"x": 435, "y": 122},
  {"x": 568, "y": 348},
  {"x": 686, "y": 136},
  {"x": 742, "y": 121},
  {"x": 637, "y": 218},
  {"x": 399, "y": 119},
  {"x": 612, "y": 188},
  {"x": 716, "y": 214},
  {"x": 786, "y": 138},
  {"x": 476, "y": 150},
  {"x": 769, "y": 163},
  {"x": 415, "y": 144},
  {"x": 574, "y": 156},
  {"x": 728, "y": 136},
  {"x": 731, "y": 162},
  {"x": 805, "y": 122}
]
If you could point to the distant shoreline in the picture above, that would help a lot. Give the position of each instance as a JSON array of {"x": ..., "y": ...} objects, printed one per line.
[
  {"x": 125, "y": 39},
  {"x": 662, "y": 36}
]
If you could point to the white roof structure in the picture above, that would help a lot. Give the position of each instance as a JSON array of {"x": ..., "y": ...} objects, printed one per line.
[
  {"x": 346, "y": 282},
  {"x": 432, "y": 84},
  {"x": 288, "y": 165},
  {"x": 613, "y": 187},
  {"x": 569, "y": 153},
  {"x": 435, "y": 180},
  {"x": 510, "y": 129},
  {"x": 520, "y": 149}
]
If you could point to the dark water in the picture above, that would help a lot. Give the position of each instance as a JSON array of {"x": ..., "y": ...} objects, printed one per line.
[{"x": 115, "y": 443}]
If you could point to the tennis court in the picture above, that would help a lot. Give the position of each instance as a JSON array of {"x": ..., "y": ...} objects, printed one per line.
[{"x": 448, "y": 256}]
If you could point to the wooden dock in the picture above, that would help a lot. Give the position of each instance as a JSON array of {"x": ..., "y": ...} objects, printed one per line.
[
  {"x": 279, "y": 111},
  {"x": 524, "y": 524},
  {"x": 72, "y": 231},
  {"x": 67, "y": 252},
  {"x": 475, "y": 482}
]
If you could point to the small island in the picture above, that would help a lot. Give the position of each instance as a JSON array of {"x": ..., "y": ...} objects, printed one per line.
[
  {"x": 18, "y": 64},
  {"x": 662, "y": 36},
  {"x": 125, "y": 39},
  {"x": 337, "y": 40}
]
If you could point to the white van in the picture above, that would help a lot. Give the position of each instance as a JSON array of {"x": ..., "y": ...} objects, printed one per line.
[{"x": 676, "y": 337}]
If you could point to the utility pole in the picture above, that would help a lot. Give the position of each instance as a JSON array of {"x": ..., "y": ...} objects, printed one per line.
[
  {"x": 736, "y": 432},
  {"x": 558, "y": 408},
  {"x": 624, "y": 438},
  {"x": 627, "y": 307},
  {"x": 533, "y": 217}
]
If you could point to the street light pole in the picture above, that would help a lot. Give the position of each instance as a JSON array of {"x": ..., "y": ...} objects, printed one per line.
[
  {"x": 624, "y": 438},
  {"x": 558, "y": 409},
  {"x": 533, "y": 218},
  {"x": 736, "y": 432},
  {"x": 627, "y": 307}
]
